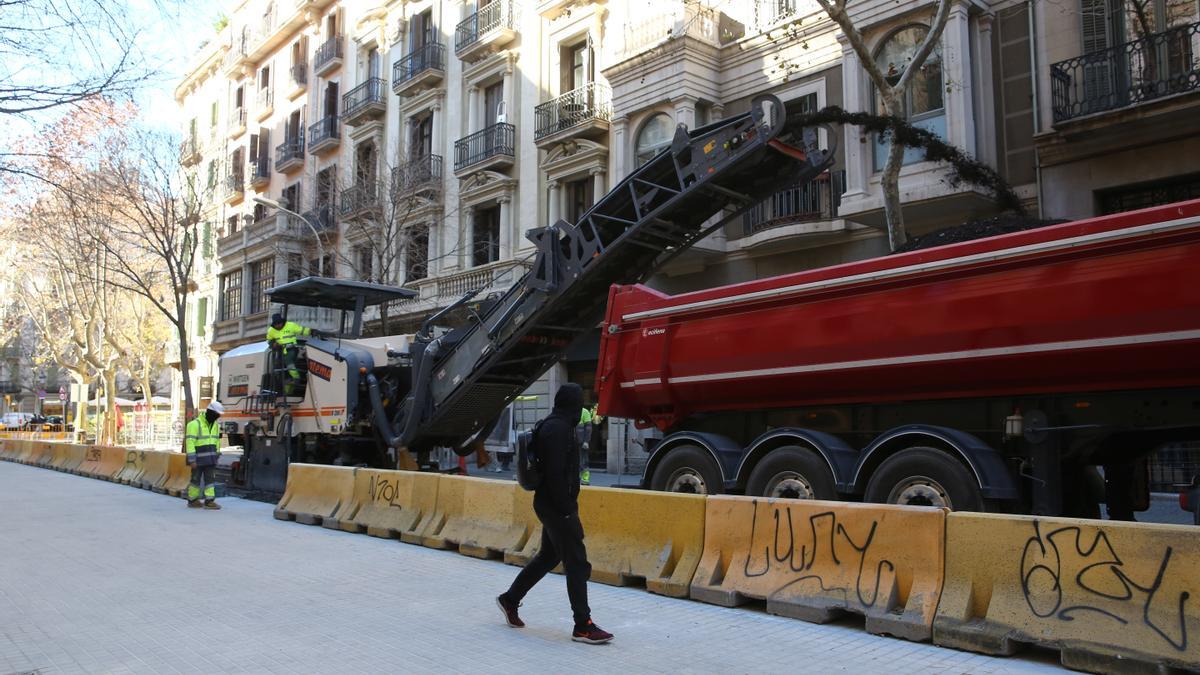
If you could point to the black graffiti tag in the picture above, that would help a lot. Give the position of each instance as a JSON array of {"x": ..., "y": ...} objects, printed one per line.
[
  {"x": 1063, "y": 577},
  {"x": 384, "y": 490},
  {"x": 826, "y": 550}
]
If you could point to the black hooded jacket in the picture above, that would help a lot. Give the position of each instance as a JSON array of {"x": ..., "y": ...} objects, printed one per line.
[{"x": 559, "y": 453}]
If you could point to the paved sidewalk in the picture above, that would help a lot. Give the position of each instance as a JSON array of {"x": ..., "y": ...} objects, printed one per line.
[{"x": 97, "y": 577}]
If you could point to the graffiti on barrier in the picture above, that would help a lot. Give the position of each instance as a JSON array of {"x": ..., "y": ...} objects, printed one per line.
[
  {"x": 134, "y": 458},
  {"x": 93, "y": 454},
  {"x": 384, "y": 490},
  {"x": 1067, "y": 573},
  {"x": 822, "y": 550}
]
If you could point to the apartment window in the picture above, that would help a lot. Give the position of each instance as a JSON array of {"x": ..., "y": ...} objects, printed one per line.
[
  {"x": 295, "y": 267},
  {"x": 260, "y": 213},
  {"x": 365, "y": 263},
  {"x": 655, "y": 135},
  {"x": 577, "y": 66},
  {"x": 364, "y": 164},
  {"x": 580, "y": 195},
  {"x": 416, "y": 254},
  {"x": 239, "y": 97},
  {"x": 421, "y": 144},
  {"x": 326, "y": 187},
  {"x": 231, "y": 225},
  {"x": 264, "y": 78},
  {"x": 493, "y": 104},
  {"x": 206, "y": 240},
  {"x": 212, "y": 119},
  {"x": 231, "y": 295},
  {"x": 331, "y": 100},
  {"x": 923, "y": 105},
  {"x": 421, "y": 30},
  {"x": 485, "y": 236},
  {"x": 212, "y": 174},
  {"x": 316, "y": 267},
  {"x": 290, "y": 197},
  {"x": 295, "y": 128},
  {"x": 262, "y": 275}
]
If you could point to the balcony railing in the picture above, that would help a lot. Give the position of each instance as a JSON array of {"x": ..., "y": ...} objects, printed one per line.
[
  {"x": 322, "y": 217},
  {"x": 328, "y": 54},
  {"x": 299, "y": 74},
  {"x": 498, "y": 139},
  {"x": 494, "y": 15},
  {"x": 266, "y": 102},
  {"x": 324, "y": 134},
  {"x": 816, "y": 200},
  {"x": 189, "y": 151},
  {"x": 590, "y": 102},
  {"x": 358, "y": 198},
  {"x": 237, "y": 119},
  {"x": 431, "y": 56},
  {"x": 290, "y": 153},
  {"x": 419, "y": 173},
  {"x": 260, "y": 171},
  {"x": 362, "y": 99},
  {"x": 1142, "y": 70},
  {"x": 235, "y": 185}
]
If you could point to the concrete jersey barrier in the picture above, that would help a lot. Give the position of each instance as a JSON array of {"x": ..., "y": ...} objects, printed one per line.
[
  {"x": 316, "y": 492},
  {"x": 156, "y": 466},
  {"x": 482, "y": 518},
  {"x": 135, "y": 464},
  {"x": 817, "y": 560},
  {"x": 1111, "y": 597},
  {"x": 390, "y": 504}
]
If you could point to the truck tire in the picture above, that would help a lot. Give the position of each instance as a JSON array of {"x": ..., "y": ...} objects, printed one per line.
[
  {"x": 794, "y": 473},
  {"x": 688, "y": 469},
  {"x": 924, "y": 477}
]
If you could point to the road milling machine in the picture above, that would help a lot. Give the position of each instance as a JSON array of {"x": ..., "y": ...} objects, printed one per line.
[{"x": 391, "y": 401}]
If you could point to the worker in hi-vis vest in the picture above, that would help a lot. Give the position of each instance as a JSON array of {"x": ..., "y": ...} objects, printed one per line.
[
  {"x": 282, "y": 335},
  {"x": 203, "y": 437}
]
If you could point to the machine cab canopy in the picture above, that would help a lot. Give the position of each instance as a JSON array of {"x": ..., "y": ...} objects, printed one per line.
[{"x": 351, "y": 297}]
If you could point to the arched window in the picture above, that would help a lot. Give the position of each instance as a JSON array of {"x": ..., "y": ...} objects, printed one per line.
[
  {"x": 655, "y": 135},
  {"x": 923, "y": 104}
]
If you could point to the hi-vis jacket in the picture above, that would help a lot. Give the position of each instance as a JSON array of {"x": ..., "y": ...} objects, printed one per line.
[
  {"x": 287, "y": 335},
  {"x": 203, "y": 440}
]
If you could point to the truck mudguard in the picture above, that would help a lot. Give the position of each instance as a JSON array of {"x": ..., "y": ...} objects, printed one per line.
[
  {"x": 841, "y": 458},
  {"x": 987, "y": 465},
  {"x": 724, "y": 451}
]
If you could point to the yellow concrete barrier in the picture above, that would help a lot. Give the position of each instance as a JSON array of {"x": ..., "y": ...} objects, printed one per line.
[
  {"x": 480, "y": 517},
  {"x": 91, "y": 462},
  {"x": 25, "y": 454},
  {"x": 1111, "y": 597},
  {"x": 75, "y": 456},
  {"x": 6, "y": 449},
  {"x": 135, "y": 464},
  {"x": 389, "y": 504},
  {"x": 314, "y": 493},
  {"x": 179, "y": 474},
  {"x": 817, "y": 560},
  {"x": 112, "y": 461},
  {"x": 42, "y": 452},
  {"x": 156, "y": 466}
]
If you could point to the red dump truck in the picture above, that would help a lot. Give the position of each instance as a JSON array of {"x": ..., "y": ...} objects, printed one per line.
[{"x": 997, "y": 374}]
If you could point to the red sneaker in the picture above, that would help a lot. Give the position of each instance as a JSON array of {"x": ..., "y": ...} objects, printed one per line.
[
  {"x": 591, "y": 634},
  {"x": 510, "y": 611}
]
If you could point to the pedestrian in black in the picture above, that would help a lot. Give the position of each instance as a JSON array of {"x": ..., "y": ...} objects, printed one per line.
[{"x": 556, "y": 502}]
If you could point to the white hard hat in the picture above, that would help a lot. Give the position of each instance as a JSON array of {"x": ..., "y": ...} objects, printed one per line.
[{"x": 216, "y": 407}]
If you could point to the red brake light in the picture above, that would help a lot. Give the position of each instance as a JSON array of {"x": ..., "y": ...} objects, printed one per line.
[{"x": 1183, "y": 501}]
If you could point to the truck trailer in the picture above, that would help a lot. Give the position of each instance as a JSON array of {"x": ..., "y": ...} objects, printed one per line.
[{"x": 1031, "y": 372}]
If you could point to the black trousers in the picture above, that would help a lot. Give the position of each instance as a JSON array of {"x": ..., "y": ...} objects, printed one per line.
[{"x": 562, "y": 541}]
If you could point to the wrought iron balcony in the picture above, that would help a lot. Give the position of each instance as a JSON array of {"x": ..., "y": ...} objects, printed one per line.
[
  {"x": 260, "y": 172},
  {"x": 189, "y": 151},
  {"x": 325, "y": 135},
  {"x": 9, "y": 387},
  {"x": 266, "y": 103},
  {"x": 422, "y": 173},
  {"x": 813, "y": 201},
  {"x": 328, "y": 56},
  {"x": 492, "y": 146},
  {"x": 492, "y": 27},
  {"x": 235, "y": 187},
  {"x": 290, "y": 154},
  {"x": 365, "y": 102},
  {"x": 424, "y": 66},
  {"x": 322, "y": 217},
  {"x": 581, "y": 111},
  {"x": 298, "y": 78},
  {"x": 1143, "y": 70},
  {"x": 358, "y": 200},
  {"x": 237, "y": 122}
]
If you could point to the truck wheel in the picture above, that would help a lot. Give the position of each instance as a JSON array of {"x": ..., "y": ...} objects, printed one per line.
[
  {"x": 924, "y": 477},
  {"x": 688, "y": 469},
  {"x": 793, "y": 473}
]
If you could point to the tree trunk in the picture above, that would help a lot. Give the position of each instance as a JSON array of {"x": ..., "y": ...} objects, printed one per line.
[
  {"x": 189, "y": 404},
  {"x": 148, "y": 398},
  {"x": 890, "y": 180},
  {"x": 110, "y": 407},
  {"x": 81, "y": 405}
]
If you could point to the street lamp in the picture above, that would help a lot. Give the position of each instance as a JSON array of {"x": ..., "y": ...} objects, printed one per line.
[{"x": 271, "y": 203}]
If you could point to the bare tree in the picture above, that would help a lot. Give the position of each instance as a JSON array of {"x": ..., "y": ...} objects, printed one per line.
[
  {"x": 891, "y": 86},
  {"x": 150, "y": 245}
]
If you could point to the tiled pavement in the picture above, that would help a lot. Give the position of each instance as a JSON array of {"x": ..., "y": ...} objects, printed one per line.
[{"x": 97, "y": 577}]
